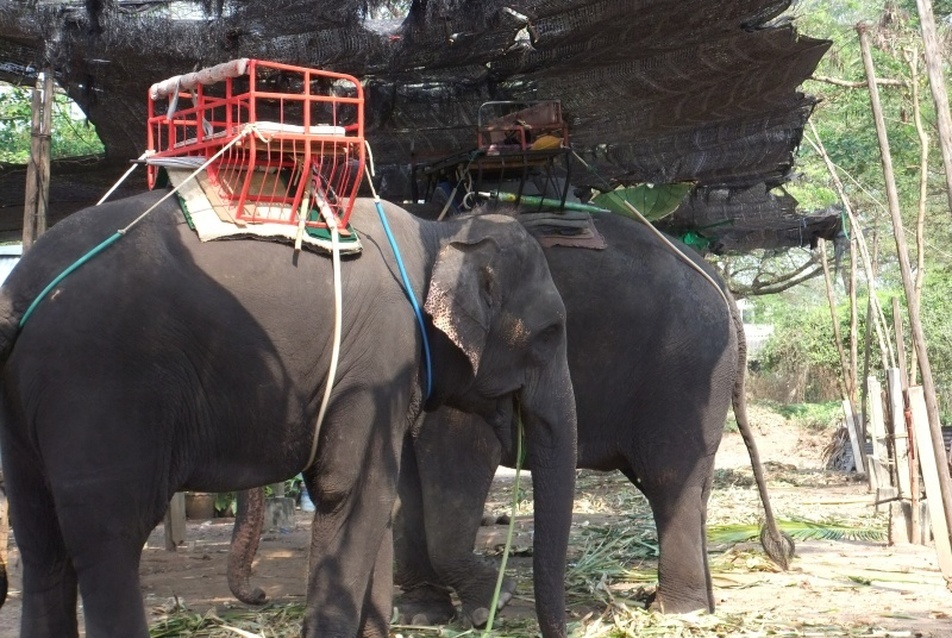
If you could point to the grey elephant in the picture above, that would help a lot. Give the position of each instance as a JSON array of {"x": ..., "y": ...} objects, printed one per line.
[
  {"x": 163, "y": 364},
  {"x": 657, "y": 357}
]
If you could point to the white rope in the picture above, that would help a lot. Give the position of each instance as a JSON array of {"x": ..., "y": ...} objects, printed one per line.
[
  {"x": 329, "y": 218},
  {"x": 122, "y": 179},
  {"x": 677, "y": 251},
  {"x": 247, "y": 130}
]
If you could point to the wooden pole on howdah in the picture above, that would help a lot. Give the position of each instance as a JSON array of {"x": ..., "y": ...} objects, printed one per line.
[
  {"x": 908, "y": 284},
  {"x": 38, "y": 169}
]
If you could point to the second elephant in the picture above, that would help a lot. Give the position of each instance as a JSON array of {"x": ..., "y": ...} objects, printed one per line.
[{"x": 657, "y": 358}]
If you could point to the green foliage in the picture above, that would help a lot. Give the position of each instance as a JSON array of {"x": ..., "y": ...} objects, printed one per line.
[
  {"x": 72, "y": 135},
  {"x": 226, "y": 504},
  {"x": 799, "y": 529},
  {"x": 803, "y": 337},
  {"x": 654, "y": 201},
  {"x": 812, "y": 416},
  {"x": 936, "y": 309}
]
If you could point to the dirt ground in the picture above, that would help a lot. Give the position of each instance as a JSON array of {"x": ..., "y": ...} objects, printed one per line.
[{"x": 834, "y": 587}]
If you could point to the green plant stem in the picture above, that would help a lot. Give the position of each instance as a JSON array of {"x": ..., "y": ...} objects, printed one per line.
[{"x": 512, "y": 524}]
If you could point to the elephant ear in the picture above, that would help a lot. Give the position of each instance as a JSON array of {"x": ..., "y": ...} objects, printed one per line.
[{"x": 460, "y": 298}]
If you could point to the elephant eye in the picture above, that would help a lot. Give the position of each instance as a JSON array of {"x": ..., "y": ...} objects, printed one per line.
[
  {"x": 550, "y": 332},
  {"x": 545, "y": 337}
]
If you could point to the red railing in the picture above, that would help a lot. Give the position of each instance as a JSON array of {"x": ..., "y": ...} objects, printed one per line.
[{"x": 289, "y": 139}]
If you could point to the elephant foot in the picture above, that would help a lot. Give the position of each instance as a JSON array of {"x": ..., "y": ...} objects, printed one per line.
[
  {"x": 479, "y": 615},
  {"x": 424, "y": 605}
]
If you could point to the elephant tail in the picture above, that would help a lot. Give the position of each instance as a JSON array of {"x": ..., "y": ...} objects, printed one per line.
[{"x": 779, "y": 546}]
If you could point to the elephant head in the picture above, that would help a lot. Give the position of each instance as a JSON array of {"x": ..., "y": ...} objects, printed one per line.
[{"x": 497, "y": 339}]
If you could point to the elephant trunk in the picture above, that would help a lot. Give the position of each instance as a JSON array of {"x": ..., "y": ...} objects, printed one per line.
[
  {"x": 249, "y": 521},
  {"x": 550, "y": 425}
]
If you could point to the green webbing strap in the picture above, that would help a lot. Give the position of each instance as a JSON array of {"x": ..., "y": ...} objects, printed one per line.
[{"x": 79, "y": 262}]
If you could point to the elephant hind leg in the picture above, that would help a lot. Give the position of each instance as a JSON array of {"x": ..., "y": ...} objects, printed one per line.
[
  {"x": 49, "y": 591},
  {"x": 684, "y": 576},
  {"x": 104, "y": 536}
]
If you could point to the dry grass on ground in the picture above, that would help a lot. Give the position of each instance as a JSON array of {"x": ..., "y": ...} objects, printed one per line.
[{"x": 845, "y": 581}]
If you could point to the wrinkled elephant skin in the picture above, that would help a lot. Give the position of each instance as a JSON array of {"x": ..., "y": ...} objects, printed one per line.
[{"x": 165, "y": 364}]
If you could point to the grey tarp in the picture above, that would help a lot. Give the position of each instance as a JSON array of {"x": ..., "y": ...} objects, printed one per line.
[{"x": 652, "y": 90}]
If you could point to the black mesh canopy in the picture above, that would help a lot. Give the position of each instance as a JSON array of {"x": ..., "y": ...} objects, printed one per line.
[{"x": 651, "y": 90}]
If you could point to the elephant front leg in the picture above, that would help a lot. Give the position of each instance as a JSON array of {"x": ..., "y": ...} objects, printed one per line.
[
  {"x": 373, "y": 624},
  {"x": 457, "y": 456}
]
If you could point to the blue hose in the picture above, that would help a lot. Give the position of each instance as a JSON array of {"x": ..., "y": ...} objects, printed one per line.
[
  {"x": 408, "y": 288},
  {"x": 76, "y": 264}
]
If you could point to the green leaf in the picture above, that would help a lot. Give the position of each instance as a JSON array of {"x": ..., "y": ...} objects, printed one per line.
[
  {"x": 800, "y": 529},
  {"x": 654, "y": 201}
]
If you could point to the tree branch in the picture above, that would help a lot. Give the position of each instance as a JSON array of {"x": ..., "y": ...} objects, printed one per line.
[{"x": 856, "y": 85}]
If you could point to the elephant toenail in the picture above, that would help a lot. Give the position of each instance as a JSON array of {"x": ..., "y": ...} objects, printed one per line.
[{"x": 479, "y": 617}]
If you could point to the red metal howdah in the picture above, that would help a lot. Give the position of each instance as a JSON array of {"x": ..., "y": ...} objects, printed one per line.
[{"x": 301, "y": 148}]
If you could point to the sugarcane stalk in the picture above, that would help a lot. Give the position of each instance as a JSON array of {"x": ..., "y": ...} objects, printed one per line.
[{"x": 535, "y": 200}]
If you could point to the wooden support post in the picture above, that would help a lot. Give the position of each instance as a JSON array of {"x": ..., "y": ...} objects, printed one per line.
[
  {"x": 853, "y": 431},
  {"x": 878, "y": 465},
  {"x": 885, "y": 346},
  {"x": 908, "y": 284},
  {"x": 38, "y": 170},
  {"x": 899, "y": 511},
  {"x": 900, "y": 343},
  {"x": 175, "y": 522},
  {"x": 930, "y": 476},
  {"x": 897, "y": 429}
]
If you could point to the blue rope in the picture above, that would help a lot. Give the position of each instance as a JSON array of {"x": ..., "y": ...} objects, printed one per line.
[
  {"x": 408, "y": 288},
  {"x": 79, "y": 262}
]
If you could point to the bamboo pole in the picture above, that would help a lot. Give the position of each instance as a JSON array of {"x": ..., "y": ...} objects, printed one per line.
[
  {"x": 36, "y": 199},
  {"x": 854, "y": 321},
  {"x": 913, "y": 463},
  {"x": 912, "y": 59},
  {"x": 912, "y": 303},
  {"x": 933, "y": 55},
  {"x": 843, "y": 379},
  {"x": 900, "y": 343},
  {"x": 885, "y": 346}
]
